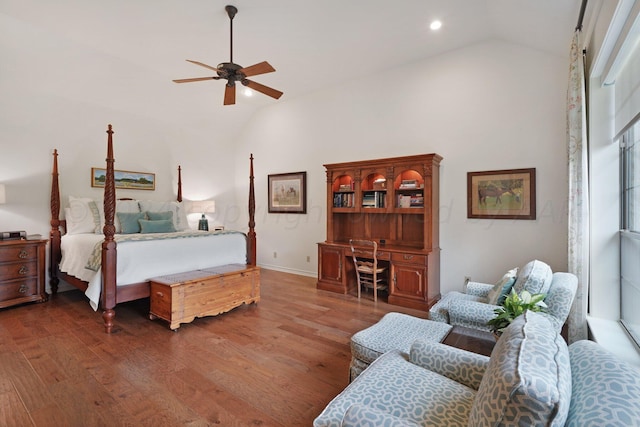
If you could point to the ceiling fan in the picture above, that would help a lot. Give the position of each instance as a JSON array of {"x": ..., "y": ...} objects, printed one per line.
[{"x": 234, "y": 73}]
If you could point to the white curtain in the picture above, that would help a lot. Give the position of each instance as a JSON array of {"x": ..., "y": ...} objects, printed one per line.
[{"x": 578, "y": 220}]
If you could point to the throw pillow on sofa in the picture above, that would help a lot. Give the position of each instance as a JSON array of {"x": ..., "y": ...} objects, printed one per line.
[{"x": 502, "y": 288}]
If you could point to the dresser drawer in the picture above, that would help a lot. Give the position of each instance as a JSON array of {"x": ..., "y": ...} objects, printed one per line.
[
  {"x": 18, "y": 288},
  {"x": 18, "y": 253},
  {"x": 17, "y": 270},
  {"x": 409, "y": 258}
]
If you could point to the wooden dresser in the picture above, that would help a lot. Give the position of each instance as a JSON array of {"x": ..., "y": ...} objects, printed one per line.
[{"x": 22, "y": 272}]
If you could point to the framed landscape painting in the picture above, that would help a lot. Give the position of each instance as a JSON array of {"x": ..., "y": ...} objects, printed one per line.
[
  {"x": 125, "y": 179},
  {"x": 288, "y": 193},
  {"x": 502, "y": 194}
]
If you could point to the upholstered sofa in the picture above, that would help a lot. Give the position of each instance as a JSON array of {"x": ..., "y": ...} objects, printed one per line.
[
  {"x": 475, "y": 307},
  {"x": 532, "y": 378}
]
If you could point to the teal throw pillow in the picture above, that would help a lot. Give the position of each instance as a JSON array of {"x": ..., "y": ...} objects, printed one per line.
[
  {"x": 129, "y": 221},
  {"x": 155, "y": 216},
  {"x": 502, "y": 288},
  {"x": 157, "y": 226}
]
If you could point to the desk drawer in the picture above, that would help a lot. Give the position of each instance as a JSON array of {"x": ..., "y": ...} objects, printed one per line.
[{"x": 409, "y": 258}]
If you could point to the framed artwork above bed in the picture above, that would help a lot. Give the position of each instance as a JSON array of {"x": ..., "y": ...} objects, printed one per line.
[
  {"x": 124, "y": 179},
  {"x": 288, "y": 193}
]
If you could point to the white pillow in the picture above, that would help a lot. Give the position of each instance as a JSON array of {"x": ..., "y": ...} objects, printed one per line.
[
  {"x": 128, "y": 206},
  {"x": 180, "y": 222},
  {"x": 82, "y": 215}
]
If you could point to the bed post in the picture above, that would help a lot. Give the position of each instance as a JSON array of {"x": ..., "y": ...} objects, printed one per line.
[
  {"x": 54, "y": 234},
  {"x": 179, "y": 198},
  {"x": 108, "y": 295},
  {"x": 251, "y": 236}
]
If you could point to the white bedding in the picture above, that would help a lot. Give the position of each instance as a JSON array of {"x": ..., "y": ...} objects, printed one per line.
[{"x": 138, "y": 261}]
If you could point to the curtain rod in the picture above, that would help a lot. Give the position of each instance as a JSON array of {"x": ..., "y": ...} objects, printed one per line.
[{"x": 583, "y": 7}]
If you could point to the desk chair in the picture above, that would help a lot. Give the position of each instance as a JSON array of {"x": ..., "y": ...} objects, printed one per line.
[{"x": 365, "y": 261}]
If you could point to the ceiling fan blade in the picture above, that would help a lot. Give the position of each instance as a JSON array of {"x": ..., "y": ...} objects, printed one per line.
[
  {"x": 229, "y": 94},
  {"x": 196, "y": 79},
  {"x": 203, "y": 65},
  {"x": 262, "y": 88},
  {"x": 260, "y": 68}
]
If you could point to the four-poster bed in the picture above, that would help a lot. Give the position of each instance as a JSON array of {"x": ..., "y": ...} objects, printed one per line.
[{"x": 117, "y": 279}]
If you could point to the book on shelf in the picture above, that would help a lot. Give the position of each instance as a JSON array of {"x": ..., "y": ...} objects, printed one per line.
[
  {"x": 373, "y": 199},
  {"x": 404, "y": 201},
  {"x": 416, "y": 202},
  {"x": 407, "y": 184},
  {"x": 410, "y": 200},
  {"x": 343, "y": 200}
]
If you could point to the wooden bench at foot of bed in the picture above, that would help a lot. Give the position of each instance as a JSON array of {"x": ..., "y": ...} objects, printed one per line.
[{"x": 180, "y": 298}]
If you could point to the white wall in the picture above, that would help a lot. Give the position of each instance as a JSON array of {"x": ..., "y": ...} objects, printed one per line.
[{"x": 490, "y": 106}]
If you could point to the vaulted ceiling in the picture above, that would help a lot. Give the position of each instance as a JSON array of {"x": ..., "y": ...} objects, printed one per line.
[{"x": 138, "y": 47}]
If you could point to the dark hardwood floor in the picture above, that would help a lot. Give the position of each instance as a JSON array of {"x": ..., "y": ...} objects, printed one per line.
[{"x": 277, "y": 363}]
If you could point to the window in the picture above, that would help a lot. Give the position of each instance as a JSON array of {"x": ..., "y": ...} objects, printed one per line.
[{"x": 630, "y": 231}]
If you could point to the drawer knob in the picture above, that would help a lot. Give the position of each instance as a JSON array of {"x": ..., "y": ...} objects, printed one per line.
[
  {"x": 159, "y": 294},
  {"x": 23, "y": 270},
  {"x": 407, "y": 257},
  {"x": 23, "y": 289},
  {"x": 23, "y": 254}
]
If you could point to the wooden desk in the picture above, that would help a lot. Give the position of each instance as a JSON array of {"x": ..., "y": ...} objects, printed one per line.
[
  {"x": 473, "y": 340},
  {"x": 413, "y": 273}
]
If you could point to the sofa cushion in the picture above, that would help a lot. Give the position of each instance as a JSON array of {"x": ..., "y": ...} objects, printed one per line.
[
  {"x": 535, "y": 277},
  {"x": 528, "y": 381},
  {"x": 605, "y": 389},
  {"x": 501, "y": 289},
  {"x": 359, "y": 415},
  {"x": 393, "y": 385}
]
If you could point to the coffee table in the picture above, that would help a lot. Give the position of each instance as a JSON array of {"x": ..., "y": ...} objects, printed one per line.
[{"x": 473, "y": 340}]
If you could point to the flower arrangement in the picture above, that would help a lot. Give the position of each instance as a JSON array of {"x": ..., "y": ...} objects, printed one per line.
[{"x": 514, "y": 305}]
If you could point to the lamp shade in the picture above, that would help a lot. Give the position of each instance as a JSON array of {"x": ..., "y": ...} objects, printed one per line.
[
  {"x": 3, "y": 194},
  {"x": 203, "y": 206}
]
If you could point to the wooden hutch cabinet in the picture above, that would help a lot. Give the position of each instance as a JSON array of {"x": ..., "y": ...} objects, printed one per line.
[{"x": 395, "y": 202}]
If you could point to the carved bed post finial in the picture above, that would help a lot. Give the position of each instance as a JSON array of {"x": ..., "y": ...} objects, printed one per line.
[
  {"x": 179, "y": 198},
  {"x": 54, "y": 234},
  {"x": 251, "y": 236},
  {"x": 108, "y": 295}
]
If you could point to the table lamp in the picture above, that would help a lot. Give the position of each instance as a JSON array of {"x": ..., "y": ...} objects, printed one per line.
[{"x": 202, "y": 207}]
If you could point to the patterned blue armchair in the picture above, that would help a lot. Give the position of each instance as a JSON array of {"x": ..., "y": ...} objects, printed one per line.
[
  {"x": 476, "y": 306},
  {"x": 532, "y": 378}
]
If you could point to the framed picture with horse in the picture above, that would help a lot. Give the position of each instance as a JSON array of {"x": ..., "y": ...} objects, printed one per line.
[{"x": 502, "y": 194}]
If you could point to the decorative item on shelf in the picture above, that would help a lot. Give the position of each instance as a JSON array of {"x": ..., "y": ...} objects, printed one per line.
[
  {"x": 203, "y": 207},
  {"x": 514, "y": 305},
  {"x": 3, "y": 195}
]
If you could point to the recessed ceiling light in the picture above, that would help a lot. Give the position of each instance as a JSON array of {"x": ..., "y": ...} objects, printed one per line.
[{"x": 435, "y": 25}]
